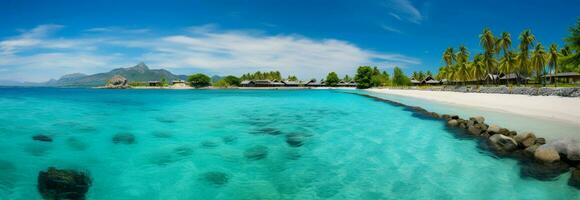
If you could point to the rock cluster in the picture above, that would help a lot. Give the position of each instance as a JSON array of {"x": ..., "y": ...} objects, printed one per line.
[
  {"x": 63, "y": 184},
  {"x": 543, "y": 91},
  {"x": 538, "y": 159},
  {"x": 117, "y": 82}
]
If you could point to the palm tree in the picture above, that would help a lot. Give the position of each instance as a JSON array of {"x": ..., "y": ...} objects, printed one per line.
[
  {"x": 526, "y": 39},
  {"x": 487, "y": 41},
  {"x": 539, "y": 59},
  {"x": 442, "y": 74},
  {"x": 478, "y": 67},
  {"x": 449, "y": 57},
  {"x": 508, "y": 63},
  {"x": 463, "y": 64},
  {"x": 554, "y": 55},
  {"x": 573, "y": 41},
  {"x": 505, "y": 42}
]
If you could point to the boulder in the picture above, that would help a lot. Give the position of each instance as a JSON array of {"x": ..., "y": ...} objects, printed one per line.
[
  {"x": 454, "y": 117},
  {"x": 525, "y": 140},
  {"x": 506, "y": 132},
  {"x": 462, "y": 123},
  {"x": 574, "y": 180},
  {"x": 446, "y": 117},
  {"x": 546, "y": 154},
  {"x": 540, "y": 141},
  {"x": 477, "y": 129},
  {"x": 479, "y": 119},
  {"x": 435, "y": 115},
  {"x": 493, "y": 129},
  {"x": 42, "y": 138},
  {"x": 63, "y": 184},
  {"x": 453, "y": 123},
  {"x": 529, "y": 152},
  {"x": 502, "y": 143},
  {"x": 117, "y": 82},
  {"x": 123, "y": 138}
]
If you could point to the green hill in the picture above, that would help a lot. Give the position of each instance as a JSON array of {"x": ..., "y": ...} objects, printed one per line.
[{"x": 138, "y": 73}]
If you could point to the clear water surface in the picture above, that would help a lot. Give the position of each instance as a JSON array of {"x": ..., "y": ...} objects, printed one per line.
[{"x": 232, "y": 144}]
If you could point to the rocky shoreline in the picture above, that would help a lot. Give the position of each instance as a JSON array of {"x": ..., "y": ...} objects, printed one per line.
[
  {"x": 538, "y": 158},
  {"x": 532, "y": 91}
]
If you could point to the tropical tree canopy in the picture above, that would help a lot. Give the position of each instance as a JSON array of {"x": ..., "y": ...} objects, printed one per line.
[
  {"x": 199, "y": 80},
  {"x": 332, "y": 79},
  {"x": 399, "y": 77}
]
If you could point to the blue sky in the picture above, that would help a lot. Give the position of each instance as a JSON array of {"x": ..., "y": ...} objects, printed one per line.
[{"x": 40, "y": 40}]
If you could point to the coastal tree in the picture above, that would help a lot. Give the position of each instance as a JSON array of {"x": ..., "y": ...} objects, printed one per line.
[
  {"x": 463, "y": 64},
  {"x": 199, "y": 80},
  {"x": 346, "y": 78},
  {"x": 487, "y": 41},
  {"x": 539, "y": 59},
  {"x": 478, "y": 67},
  {"x": 554, "y": 55},
  {"x": 364, "y": 76},
  {"x": 508, "y": 63},
  {"x": 573, "y": 43},
  {"x": 232, "y": 80},
  {"x": 526, "y": 40},
  {"x": 292, "y": 78},
  {"x": 399, "y": 77},
  {"x": 332, "y": 79}
]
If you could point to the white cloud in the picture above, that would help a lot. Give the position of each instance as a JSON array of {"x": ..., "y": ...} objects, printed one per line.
[
  {"x": 391, "y": 29},
  {"x": 404, "y": 9},
  {"x": 203, "y": 48}
]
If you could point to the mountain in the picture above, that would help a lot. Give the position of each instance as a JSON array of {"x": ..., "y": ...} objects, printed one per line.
[{"x": 138, "y": 73}]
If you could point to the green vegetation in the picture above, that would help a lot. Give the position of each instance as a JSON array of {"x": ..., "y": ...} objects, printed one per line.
[
  {"x": 367, "y": 77},
  {"x": 332, "y": 79},
  {"x": 499, "y": 57},
  {"x": 228, "y": 81},
  {"x": 399, "y": 77},
  {"x": 199, "y": 80},
  {"x": 273, "y": 75}
]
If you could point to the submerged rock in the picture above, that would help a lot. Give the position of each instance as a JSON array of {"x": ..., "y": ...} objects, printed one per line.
[
  {"x": 162, "y": 134},
  {"x": 502, "y": 143},
  {"x": 257, "y": 152},
  {"x": 215, "y": 178},
  {"x": 63, "y": 184},
  {"x": 42, "y": 138},
  {"x": 543, "y": 171},
  {"x": 546, "y": 154},
  {"x": 123, "y": 138},
  {"x": 295, "y": 139},
  {"x": 477, "y": 129},
  {"x": 574, "y": 180}
]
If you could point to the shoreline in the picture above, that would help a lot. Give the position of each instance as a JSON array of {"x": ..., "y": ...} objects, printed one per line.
[{"x": 548, "y": 107}]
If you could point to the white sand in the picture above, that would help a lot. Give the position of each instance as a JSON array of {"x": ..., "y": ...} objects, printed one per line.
[{"x": 553, "y": 107}]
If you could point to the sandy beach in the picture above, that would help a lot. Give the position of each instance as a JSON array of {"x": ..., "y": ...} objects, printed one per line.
[{"x": 553, "y": 107}]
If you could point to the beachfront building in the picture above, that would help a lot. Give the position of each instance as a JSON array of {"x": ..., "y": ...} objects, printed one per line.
[
  {"x": 427, "y": 81},
  {"x": 346, "y": 84},
  {"x": 513, "y": 78},
  {"x": 154, "y": 83},
  {"x": 314, "y": 83},
  {"x": 566, "y": 77},
  {"x": 180, "y": 83},
  {"x": 293, "y": 83},
  {"x": 261, "y": 83}
]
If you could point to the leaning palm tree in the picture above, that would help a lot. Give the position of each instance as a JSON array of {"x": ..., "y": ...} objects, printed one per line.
[
  {"x": 573, "y": 42},
  {"x": 487, "y": 41},
  {"x": 507, "y": 64},
  {"x": 526, "y": 40},
  {"x": 554, "y": 55},
  {"x": 442, "y": 73},
  {"x": 539, "y": 59}
]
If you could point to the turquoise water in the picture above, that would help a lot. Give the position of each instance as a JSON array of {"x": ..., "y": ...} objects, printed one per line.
[{"x": 232, "y": 144}]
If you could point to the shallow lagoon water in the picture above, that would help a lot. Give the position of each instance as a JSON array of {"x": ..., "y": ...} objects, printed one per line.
[{"x": 248, "y": 144}]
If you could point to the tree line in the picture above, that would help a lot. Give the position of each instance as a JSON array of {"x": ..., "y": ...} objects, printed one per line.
[{"x": 528, "y": 58}]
